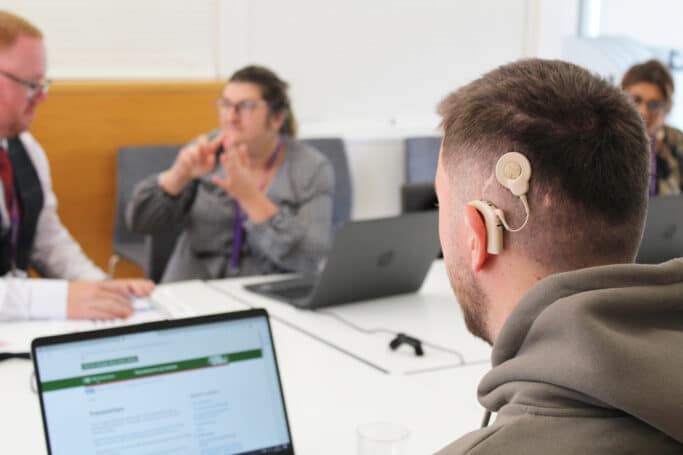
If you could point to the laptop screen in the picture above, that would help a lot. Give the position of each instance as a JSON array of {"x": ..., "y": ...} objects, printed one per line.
[{"x": 173, "y": 387}]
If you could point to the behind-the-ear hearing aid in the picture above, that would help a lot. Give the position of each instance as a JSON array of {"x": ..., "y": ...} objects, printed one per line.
[{"x": 513, "y": 171}]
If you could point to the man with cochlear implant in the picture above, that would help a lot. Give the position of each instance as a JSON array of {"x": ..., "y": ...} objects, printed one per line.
[{"x": 543, "y": 190}]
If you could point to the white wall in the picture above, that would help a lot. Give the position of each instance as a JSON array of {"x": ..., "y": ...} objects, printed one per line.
[
  {"x": 552, "y": 21},
  {"x": 378, "y": 65},
  {"x": 369, "y": 71},
  {"x": 126, "y": 38},
  {"x": 383, "y": 60},
  {"x": 655, "y": 22}
]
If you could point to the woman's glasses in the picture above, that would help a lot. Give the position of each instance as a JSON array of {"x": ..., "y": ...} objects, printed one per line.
[
  {"x": 652, "y": 106},
  {"x": 245, "y": 107}
]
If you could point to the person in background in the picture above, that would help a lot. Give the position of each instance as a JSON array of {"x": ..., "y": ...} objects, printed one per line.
[
  {"x": 251, "y": 198},
  {"x": 31, "y": 234},
  {"x": 651, "y": 87},
  {"x": 586, "y": 345}
]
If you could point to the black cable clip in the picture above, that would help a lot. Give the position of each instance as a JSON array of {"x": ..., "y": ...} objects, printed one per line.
[{"x": 402, "y": 338}]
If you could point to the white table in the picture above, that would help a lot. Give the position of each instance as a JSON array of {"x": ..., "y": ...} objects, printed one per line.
[
  {"x": 328, "y": 392},
  {"x": 432, "y": 315}
]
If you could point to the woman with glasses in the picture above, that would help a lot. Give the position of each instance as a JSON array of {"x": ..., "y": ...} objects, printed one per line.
[
  {"x": 251, "y": 198},
  {"x": 651, "y": 87}
]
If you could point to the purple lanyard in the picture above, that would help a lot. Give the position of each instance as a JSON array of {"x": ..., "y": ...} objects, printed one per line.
[
  {"x": 653, "y": 167},
  {"x": 238, "y": 226}
]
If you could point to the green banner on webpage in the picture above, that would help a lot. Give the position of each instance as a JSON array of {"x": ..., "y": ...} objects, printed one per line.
[{"x": 216, "y": 360}]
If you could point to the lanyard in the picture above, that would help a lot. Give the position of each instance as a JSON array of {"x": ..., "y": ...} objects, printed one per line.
[
  {"x": 238, "y": 226},
  {"x": 653, "y": 166}
]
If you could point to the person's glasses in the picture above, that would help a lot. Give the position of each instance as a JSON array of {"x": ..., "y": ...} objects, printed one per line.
[
  {"x": 652, "y": 106},
  {"x": 243, "y": 107},
  {"x": 34, "y": 87}
]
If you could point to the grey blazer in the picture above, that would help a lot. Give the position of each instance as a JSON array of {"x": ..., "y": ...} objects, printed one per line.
[{"x": 296, "y": 239}]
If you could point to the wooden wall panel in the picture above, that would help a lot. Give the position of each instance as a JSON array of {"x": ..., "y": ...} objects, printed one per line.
[{"x": 82, "y": 125}]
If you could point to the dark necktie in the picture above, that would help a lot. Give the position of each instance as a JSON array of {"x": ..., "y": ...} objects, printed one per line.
[{"x": 7, "y": 178}]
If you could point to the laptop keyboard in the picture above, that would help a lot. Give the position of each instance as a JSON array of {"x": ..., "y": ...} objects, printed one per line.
[
  {"x": 294, "y": 292},
  {"x": 294, "y": 289}
]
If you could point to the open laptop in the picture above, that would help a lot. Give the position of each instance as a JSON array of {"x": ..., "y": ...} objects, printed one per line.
[
  {"x": 663, "y": 236},
  {"x": 189, "y": 386},
  {"x": 418, "y": 197},
  {"x": 369, "y": 259}
]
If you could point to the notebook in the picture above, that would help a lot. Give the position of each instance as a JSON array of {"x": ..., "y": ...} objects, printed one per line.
[
  {"x": 663, "y": 236},
  {"x": 190, "y": 386},
  {"x": 369, "y": 259}
]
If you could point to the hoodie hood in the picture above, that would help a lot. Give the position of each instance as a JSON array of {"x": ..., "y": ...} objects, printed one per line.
[{"x": 604, "y": 339}]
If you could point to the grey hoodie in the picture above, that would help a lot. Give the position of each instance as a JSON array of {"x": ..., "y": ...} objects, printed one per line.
[{"x": 589, "y": 362}]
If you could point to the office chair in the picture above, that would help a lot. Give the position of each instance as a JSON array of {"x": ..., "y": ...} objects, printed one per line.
[
  {"x": 134, "y": 163},
  {"x": 335, "y": 151}
]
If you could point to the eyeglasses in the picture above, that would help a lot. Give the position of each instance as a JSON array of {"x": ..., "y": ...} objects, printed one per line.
[
  {"x": 34, "y": 87},
  {"x": 243, "y": 107},
  {"x": 652, "y": 106}
]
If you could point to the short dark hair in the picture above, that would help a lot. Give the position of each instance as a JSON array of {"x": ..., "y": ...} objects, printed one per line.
[
  {"x": 653, "y": 72},
  {"x": 588, "y": 150},
  {"x": 274, "y": 92}
]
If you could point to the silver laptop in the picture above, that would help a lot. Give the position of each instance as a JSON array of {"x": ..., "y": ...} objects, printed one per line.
[
  {"x": 663, "y": 237},
  {"x": 203, "y": 385},
  {"x": 369, "y": 259}
]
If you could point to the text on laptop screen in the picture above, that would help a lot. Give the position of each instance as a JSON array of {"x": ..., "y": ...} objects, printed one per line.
[{"x": 206, "y": 388}]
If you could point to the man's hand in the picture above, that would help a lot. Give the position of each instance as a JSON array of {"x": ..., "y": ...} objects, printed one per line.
[{"x": 104, "y": 299}]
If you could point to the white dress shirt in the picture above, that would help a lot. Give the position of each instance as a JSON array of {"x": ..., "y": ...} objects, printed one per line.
[{"x": 55, "y": 255}]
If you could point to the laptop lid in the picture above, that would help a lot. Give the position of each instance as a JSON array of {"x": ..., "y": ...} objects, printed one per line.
[
  {"x": 663, "y": 236},
  {"x": 370, "y": 259},
  {"x": 418, "y": 197},
  {"x": 190, "y": 386}
]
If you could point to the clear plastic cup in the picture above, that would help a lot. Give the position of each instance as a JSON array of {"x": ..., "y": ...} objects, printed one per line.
[{"x": 382, "y": 438}]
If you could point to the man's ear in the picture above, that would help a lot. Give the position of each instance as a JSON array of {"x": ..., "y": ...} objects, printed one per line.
[{"x": 476, "y": 237}]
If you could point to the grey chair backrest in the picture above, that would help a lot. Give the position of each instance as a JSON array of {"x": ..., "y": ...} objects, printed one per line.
[
  {"x": 335, "y": 151},
  {"x": 421, "y": 158},
  {"x": 134, "y": 163}
]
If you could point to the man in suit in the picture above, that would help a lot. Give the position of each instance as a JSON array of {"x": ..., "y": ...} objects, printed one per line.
[
  {"x": 31, "y": 234},
  {"x": 542, "y": 183}
]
